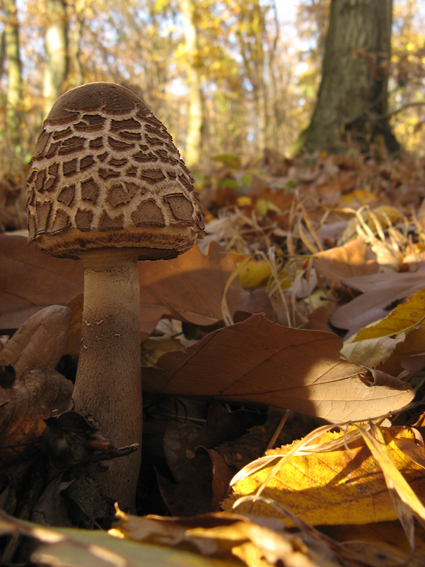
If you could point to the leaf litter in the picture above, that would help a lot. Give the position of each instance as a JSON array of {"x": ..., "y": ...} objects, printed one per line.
[{"x": 251, "y": 322}]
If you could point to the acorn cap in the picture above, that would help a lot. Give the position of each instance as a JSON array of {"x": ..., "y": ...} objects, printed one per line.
[{"x": 106, "y": 174}]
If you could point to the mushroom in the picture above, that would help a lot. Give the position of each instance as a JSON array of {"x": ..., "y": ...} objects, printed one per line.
[{"x": 108, "y": 186}]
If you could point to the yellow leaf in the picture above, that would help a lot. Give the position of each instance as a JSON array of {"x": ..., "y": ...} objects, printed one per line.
[
  {"x": 364, "y": 197},
  {"x": 404, "y": 333},
  {"x": 264, "y": 205},
  {"x": 382, "y": 448},
  {"x": 335, "y": 487},
  {"x": 252, "y": 273},
  {"x": 244, "y": 201},
  {"x": 409, "y": 313}
]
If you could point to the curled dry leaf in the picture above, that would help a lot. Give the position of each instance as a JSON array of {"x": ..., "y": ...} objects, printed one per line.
[
  {"x": 263, "y": 362},
  {"x": 345, "y": 486},
  {"x": 254, "y": 540},
  {"x": 40, "y": 341},
  {"x": 24, "y": 405}
]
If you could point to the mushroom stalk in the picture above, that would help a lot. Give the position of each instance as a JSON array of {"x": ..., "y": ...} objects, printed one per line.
[{"x": 108, "y": 384}]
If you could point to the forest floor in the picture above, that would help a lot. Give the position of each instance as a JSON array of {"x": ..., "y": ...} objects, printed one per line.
[{"x": 283, "y": 367}]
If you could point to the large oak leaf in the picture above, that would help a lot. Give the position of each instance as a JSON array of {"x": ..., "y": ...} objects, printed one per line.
[
  {"x": 189, "y": 287},
  {"x": 263, "y": 362}
]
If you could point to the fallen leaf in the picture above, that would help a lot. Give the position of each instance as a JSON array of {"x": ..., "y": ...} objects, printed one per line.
[
  {"x": 388, "y": 342},
  {"x": 66, "y": 546},
  {"x": 255, "y": 541},
  {"x": 344, "y": 486},
  {"x": 254, "y": 443},
  {"x": 379, "y": 292},
  {"x": 25, "y": 405},
  {"x": 40, "y": 341},
  {"x": 188, "y": 288},
  {"x": 260, "y": 361},
  {"x": 252, "y": 273},
  {"x": 191, "y": 492},
  {"x": 191, "y": 288},
  {"x": 345, "y": 261},
  {"x": 392, "y": 461},
  {"x": 195, "y": 467},
  {"x": 31, "y": 280},
  {"x": 372, "y": 352},
  {"x": 386, "y": 537}
]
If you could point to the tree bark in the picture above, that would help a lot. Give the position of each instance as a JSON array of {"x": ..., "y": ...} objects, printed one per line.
[
  {"x": 14, "y": 73},
  {"x": 196, "y": 112},
  {"x": 352, "y": 101},
  {"x": 252, "y": 35},
  {"x": 76, "y": 9},
  {"x": 56, "y": 45}
]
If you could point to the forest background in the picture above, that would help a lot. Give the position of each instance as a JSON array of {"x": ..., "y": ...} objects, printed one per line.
[
  {"x": 293, "y": 230},
  {"x": 225, "y": 77}
]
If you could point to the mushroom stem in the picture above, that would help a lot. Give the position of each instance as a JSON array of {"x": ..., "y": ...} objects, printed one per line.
[{"x": 108, "y": 384}]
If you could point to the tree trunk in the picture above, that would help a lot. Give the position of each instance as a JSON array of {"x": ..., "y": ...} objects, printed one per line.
[
  {"x": 14, "y": 73},
  {"x": 77, "y": 10},
  {"x": 196, "y": 112},
  {"x": 352, "y": 100},
  {"x": 56, "y": 44}
]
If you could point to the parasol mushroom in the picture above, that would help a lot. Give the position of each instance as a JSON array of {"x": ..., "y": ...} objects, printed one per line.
[{"x": 108, "y": 186}]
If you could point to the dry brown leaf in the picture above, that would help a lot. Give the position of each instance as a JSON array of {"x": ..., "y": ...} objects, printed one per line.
[
  {"x": 379, "y": 292},
  {"x": 345, "y": 261},
  {"x": 40, "y": 341},
  {"x": 263, "y": 362},
  {"x": 199, "y": 472},
  {"x": 188, "y": 288},
  {"x": 191, "y": 493},
  {"x": 387, "y": 538},
  {"x": 256, "y": 542},
  {"x": 24, "y": 405},
  {"x": 31, "y": 280},
  {"x": 191, "y": 288}
]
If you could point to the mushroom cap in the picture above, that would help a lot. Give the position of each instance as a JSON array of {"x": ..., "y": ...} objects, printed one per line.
[{"x": 106, "y": 174}]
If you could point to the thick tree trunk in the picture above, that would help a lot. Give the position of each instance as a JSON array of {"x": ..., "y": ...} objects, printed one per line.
[
  {"x": 352, "y": 99},
  {"x": 196, "y": 111},
  {"x": 14, "y": 73},
  {"x": 56, "y": 44}
]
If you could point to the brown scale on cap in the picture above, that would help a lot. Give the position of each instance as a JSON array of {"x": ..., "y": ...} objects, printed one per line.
[{"x": 105, "y": 172}]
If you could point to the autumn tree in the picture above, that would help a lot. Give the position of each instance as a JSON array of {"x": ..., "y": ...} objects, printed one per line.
[
  {"x": 195, "y": 118},
  {"x": 56, "y": 46},
  {"x": 77, "y": 11},
  {"x": 352, "y": 101},
  {"x": 14, "y": 72}
]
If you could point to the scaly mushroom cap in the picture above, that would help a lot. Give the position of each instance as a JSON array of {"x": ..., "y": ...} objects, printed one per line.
[{"x": 105, "y": 173}]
